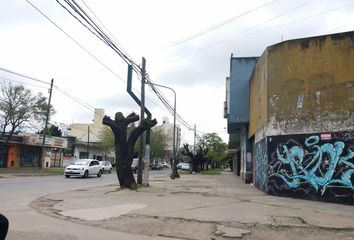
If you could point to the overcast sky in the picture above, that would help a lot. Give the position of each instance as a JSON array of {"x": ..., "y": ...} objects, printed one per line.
[{"x": 187, "y": 45}]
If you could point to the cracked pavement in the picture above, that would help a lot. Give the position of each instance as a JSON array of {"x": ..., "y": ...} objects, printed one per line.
[{"x": 199, "y": 207}]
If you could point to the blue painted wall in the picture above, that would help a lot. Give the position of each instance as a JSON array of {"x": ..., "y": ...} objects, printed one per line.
[
  {"x": 241, "y": 70},
  {"x": 311, "y": 166}
]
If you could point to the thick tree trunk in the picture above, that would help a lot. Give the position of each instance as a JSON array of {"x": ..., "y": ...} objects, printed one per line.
[
  {"x": 125, "y": 175},
  {"x": 125, "y": 147}
]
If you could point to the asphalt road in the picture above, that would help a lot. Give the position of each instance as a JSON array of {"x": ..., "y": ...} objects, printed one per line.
[{"x": 16, "y": 194}]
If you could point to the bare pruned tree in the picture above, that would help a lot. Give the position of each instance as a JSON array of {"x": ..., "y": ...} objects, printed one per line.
[{"x": 124, "y": 144}]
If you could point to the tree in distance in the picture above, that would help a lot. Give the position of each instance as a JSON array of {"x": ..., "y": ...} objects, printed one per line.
[
  {"x": 198, "y": 158},
  {"x": 53, "y": 131},
  {"x": 20, "y": 108},
  {"x": 107, "y": 140},
  {"x": 210, "y": 151},
  {"x": 217, "y": 149}
]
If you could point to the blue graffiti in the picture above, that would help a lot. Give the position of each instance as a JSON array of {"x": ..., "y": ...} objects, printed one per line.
[
  {"x": 261, "y": 164},
  {"x": 317, "y": 165}
]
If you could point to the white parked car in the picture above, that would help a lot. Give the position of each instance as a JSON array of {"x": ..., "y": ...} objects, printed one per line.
[
  {"x": 183, "y": 166},
  {"x": 84, "y": 168},
  {"x": 164, "y": 165},
  {"x": 106, "y": 166}
]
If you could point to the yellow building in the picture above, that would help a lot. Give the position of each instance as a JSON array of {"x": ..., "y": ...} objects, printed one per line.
[
  {"x": 304, "y": 86},
  {"x": 302, "y": 118},
  {"x": 88, "y": 137}
]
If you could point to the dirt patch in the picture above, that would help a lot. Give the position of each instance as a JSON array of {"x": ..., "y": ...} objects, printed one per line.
[
  {"x": 288, "y": 221},
  {"x": 46, "y": 205},
  {"x": 295, "y": 233},
  {"x": 160, "y": 226},
  {"x": 283, "y": 227},
  {"x": 30, "y": 235}
]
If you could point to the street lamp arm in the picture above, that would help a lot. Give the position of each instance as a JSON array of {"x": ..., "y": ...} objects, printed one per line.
[
  {"x": 174, "y": 170},
  {"x": 159, "y": 85}
]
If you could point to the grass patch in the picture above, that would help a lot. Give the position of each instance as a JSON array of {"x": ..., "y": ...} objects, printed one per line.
[
  {"x": 215, "y": 171},
  {"x": 32, "y": 171}
]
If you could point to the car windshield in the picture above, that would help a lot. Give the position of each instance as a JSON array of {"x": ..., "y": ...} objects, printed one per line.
[{"x": 82, "y": 162}]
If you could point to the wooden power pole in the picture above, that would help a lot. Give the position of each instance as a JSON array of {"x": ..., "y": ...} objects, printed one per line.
[
  {"x": 41, "y": 161},
  {"x": 142, "y": 111}
]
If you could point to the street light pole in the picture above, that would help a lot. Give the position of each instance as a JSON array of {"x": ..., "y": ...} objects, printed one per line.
[
  {"x": 174, "y": 169},
  {"x": 88, "y": 141}
]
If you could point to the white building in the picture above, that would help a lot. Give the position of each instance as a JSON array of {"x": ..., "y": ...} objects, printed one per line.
[
  {"x": 167, "y": 128},
  {"x": 88, "y": 138}
]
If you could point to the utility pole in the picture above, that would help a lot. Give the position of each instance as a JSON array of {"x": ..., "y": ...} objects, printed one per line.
[
  {"x": 88, "y": 141},
  {"x": 41, "y": 162},
  {"x": 142, "y": 111},
  {"x": 195, "y": 134}
]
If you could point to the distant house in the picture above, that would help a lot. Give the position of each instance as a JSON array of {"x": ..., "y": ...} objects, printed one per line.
[
  {"x": 167, "y": 129},
  {"x": 25, "y": 150}
]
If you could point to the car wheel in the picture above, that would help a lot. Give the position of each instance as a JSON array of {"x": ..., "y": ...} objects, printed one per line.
[
  {"x": 86, "y": 174},
  {"x": 67, "y": 176},
  {"x": 109, "y": 171},
  {"x": 99, "y": 173}
]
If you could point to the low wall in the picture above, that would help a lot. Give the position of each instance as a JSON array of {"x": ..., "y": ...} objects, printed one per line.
[{"x": 310, "y": 166}]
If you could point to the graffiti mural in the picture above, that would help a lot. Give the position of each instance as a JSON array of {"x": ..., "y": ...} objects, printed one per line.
[
  {"x": 318, "y": 166},
  {"x": 261, "y": 165}
]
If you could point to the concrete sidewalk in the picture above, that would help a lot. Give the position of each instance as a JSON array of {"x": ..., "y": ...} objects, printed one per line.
[{"x": 200, "y": 207}]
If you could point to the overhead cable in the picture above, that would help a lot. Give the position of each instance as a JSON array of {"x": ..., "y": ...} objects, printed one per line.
[
  {"x": 88, "y": 22},
  {"x": 24, "y": 76},
  {"x": 76, "y": 42},
  {"x": 172, "y": 59},
  {"x": 178, "y": 42}
]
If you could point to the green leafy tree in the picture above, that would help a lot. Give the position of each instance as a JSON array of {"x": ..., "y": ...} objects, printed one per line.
[
  {"x": 217, "y": 149},
  {"x": 198, "y": 158},
  {"x": 107, "y": 140},
  {"x": 53, "y": 131},
  {"x": 158, "y": 144},
  {"x": 20, "y": 108}
]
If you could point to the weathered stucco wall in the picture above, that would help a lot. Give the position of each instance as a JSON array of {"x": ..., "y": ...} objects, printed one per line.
[
  {"x": 258, "y": 95},
  {"x": 302, "y": 118},
  {"x": 309, "y": 87}
]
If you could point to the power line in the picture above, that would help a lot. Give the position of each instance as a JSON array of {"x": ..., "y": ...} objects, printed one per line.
[
  {"x": 239, "y": 33},
  {"x": 76, "y": 42},
  {"x": 77, "y": 100},
  {"x": 70, "y": 96},
  {"x": 82, "y": 47},
  {"x": 24, "y": 76},
  {"x": 11, "y": 80},
  {"x": 94, "y": 28},
  {"x": 209, "y": 29},
  {"x": 106, "y": 29}
]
